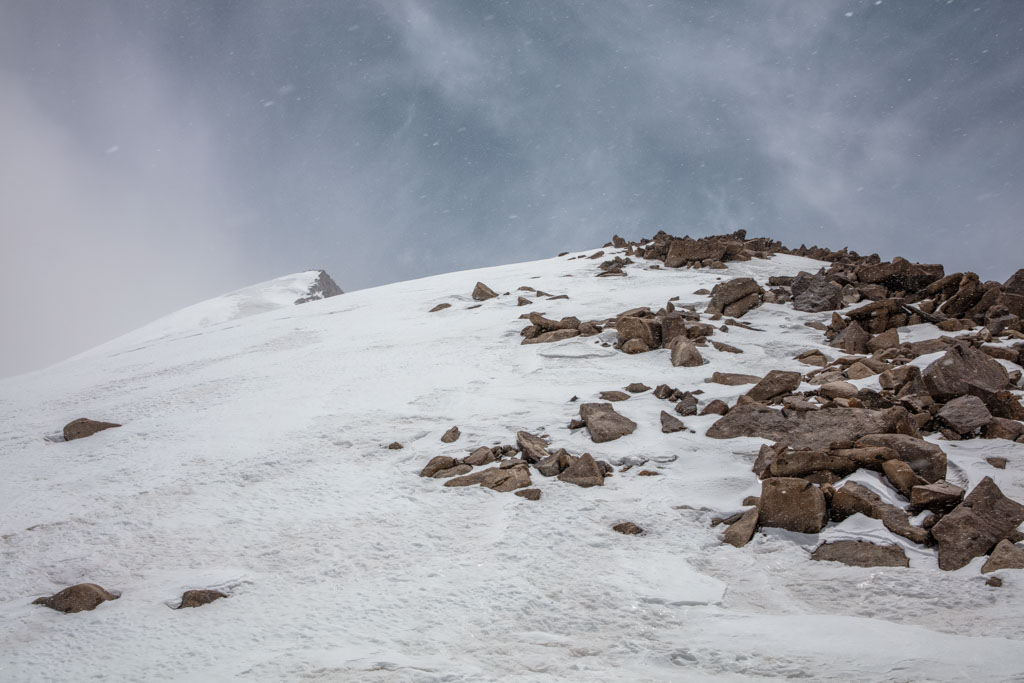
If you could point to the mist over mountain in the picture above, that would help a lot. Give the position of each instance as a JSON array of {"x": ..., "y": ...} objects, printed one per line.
[{"x": 385, "y": 141}]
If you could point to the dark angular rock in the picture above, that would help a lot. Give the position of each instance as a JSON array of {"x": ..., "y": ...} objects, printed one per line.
[
  {"x": 584, "y": 472},
  {"x": 670, "y": 424},
  {"x": 940, "y": 497},
  {"x": 323, "y": 287},
  {"x": 480, "y": 456},
  {"x": 775, "y": 383},
  {"x": 437, "y": 464},
  {"x": 926, "y": 459},
  {"x": 451, "y": 436},
  {"x": 742, "y": 530},
  {"x": 529, "y": 494},
  {"x": 792, "y": 504},
  {"x": 965, "y": 414},
  {"x": 685, "y": 354},
  {"x": 603, "y": 423},
  {"x": 482, "y": 292},
  {"x": 533, "y": 448},
  {"x": 816, "y": 294},
  {"x": 976, "y": 525},
  {"x": 734, "y": 297},
  {"x": 637, "y": 388},
  {"x": 1005, "y": 555},
  {"x": 961, "y": 366}
]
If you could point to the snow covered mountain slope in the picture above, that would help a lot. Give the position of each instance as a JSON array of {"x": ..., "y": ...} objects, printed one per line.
[
  {"x": 282, "y": 292},
  {"x": 254, "y": 459}
]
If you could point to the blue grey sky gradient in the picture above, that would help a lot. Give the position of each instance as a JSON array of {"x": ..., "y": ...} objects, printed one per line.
[{"x": 158, "y": 153}]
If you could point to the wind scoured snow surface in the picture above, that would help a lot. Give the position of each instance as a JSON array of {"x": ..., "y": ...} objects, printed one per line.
[{"x": 253, "y": 459}]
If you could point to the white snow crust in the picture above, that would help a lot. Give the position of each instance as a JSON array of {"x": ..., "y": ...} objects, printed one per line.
[{"x": 253, "y": 459}]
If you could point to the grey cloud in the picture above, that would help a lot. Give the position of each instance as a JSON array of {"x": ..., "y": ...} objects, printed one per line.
[{"x": 392, "y": 139}]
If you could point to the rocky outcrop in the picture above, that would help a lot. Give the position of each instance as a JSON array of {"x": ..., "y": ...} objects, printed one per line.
[
  {"x": 323, "y": 287},
  {"x": 807, "y": 430}
]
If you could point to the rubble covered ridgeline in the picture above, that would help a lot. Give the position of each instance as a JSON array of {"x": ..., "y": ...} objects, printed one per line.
[{"x": 833, "y": 429}]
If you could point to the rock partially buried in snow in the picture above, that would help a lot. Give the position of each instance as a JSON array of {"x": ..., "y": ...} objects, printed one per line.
[
  {"x": 451, "y": 436},
  {"x": 628, "y": 528},
  {"x": 82, "y": 597},
  {"x": 83, "y": 427},
  {"x": 437, "y": 464},
  {"x": 861, "y": 554},
  {"x": 533, "y": 448},
  {"x": 1006, "y": 555},
  {"x": 603, "y": 423},
  {"x": 975, "y": 527},
  {"x": 482, "y": 292},
  {"x": 529, "y": 494},
  {"x": 197, "y": 598}
]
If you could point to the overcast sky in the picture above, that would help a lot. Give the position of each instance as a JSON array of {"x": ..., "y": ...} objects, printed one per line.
[{"x": 154, "y": 154}]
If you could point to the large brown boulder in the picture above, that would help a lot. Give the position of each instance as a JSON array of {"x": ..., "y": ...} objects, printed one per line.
[
  {"x": 775, "y": 383},
  {"x": 735, "y": 297},
  {"x": 732, "y": 379},
  {"x": 951, "y": 375},
  {"x": 438, "y": 463},
  {"x": 811, "y": 430},
  {"x": 78, "y": 598},
  {"x": 603, "y": 423},
  {"x": 584, "y": 472},
  {"x": 792, "y": 504},
  {"x": 976, "y": 525},
  {"x": 861, "y": 554},
  {"x": 83, "y": 427},
  {"x": 926, "y": 459}
]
